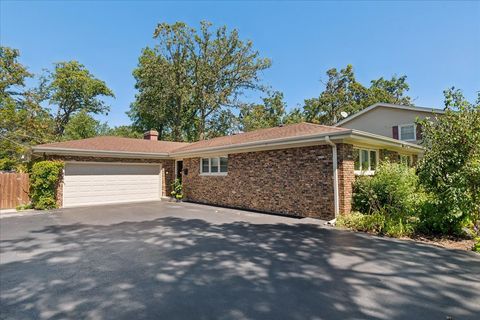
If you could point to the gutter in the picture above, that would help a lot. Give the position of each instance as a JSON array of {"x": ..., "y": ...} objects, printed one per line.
[
  {"x": 387, "y": 140},
  {"x": 279, "y": 142},
  {"x": 335, "y": 177},
  {"x": 99, "y": 153}
]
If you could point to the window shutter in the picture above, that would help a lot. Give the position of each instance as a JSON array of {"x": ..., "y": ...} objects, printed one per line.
[
  {"x": 395, "y": 132},
  {"x": 419, "y": 132}
]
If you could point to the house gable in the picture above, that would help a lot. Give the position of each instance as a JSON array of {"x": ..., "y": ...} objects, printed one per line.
[{"x": 387, "y": 121}]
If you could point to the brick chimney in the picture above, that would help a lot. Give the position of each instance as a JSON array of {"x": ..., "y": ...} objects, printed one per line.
[{"x": 151, "y": 135}]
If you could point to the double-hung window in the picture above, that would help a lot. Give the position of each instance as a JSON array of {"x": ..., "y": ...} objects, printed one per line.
[
  {"x": 406, "y": 160},
  {"x": 407, "y": 132},
  {"x": 365, "y": 160},
  {"x": 214, "y": 166}
]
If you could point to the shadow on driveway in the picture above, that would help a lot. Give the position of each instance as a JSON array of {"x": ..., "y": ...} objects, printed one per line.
[{"x": 186, "y": 268}]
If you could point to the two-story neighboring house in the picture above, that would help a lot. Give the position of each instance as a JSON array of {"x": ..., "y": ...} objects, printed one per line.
[{"x": 389, "y": 120}]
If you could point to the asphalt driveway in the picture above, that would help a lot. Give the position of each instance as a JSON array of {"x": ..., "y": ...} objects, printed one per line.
[{"x": 184, "y": 261}]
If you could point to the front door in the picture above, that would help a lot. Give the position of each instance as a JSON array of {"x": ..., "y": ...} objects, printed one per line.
[{"x": 179, "y": 169}]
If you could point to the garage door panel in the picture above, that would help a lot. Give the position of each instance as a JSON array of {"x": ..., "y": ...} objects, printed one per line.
[
  {"x": 113, "y": 169},
  {"x": 94, "y": 183},
  {"x": 101, "y": 189},
  {"x": 70, "y": 193},
  {"x": 89, "y": 178},
  {"x": 106, "y": 199}
]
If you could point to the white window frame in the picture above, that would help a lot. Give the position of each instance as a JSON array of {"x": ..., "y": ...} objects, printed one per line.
[
  {"x": 368, "y": 172},
  {"x": 410, "y": 158},
  {"x": 407, "y": 125},
  {"x": 210, "y": 173}
]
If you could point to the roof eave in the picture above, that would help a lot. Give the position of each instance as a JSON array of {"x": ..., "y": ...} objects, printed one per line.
[
  {"x": 99, "y": 153},
  {"x": 375, "y": 139},
  {"x": 350, "y": 135},
  {"x": 264, "y": 144},
  {"x": 387, "y": 105}
]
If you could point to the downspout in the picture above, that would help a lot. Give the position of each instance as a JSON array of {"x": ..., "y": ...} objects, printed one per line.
[{"x": 335, "y": 178}]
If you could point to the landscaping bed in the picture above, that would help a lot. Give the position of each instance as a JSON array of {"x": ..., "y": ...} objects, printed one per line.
[{"x": 446, "y": 242}]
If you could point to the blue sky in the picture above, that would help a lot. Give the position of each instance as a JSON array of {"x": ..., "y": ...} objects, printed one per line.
[{"x": 436, "y": 44}]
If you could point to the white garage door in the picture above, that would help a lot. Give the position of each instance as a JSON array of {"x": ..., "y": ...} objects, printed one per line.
[{"x": 99, "y": 183}]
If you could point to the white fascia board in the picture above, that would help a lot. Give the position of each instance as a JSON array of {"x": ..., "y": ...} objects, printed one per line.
[
  {"x": 378, "y": 140},
  {"x": 280, "y": 143},
  {"x": 388, "y": 105},
  {"x": 99, "y": 153},
  {"x": 350, "y": 136}
]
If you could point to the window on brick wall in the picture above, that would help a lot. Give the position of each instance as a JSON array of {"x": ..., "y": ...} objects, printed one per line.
[
  {"x": 214, "y": 166},
  {"x": 365, "y": 160}
]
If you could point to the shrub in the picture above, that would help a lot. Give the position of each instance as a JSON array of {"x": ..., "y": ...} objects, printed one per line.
[
  {"x": 387, "y": 202},
  {"x": 476, "y": 245},
  {"x": 392, "y": 190},
  {"x": 7, "y": 164},
  {"x": 24, "y": 207},
  {"x": 363, "y": 222},
  {"x": 392, "y": 226},
  {"x": 44, "y": 179},
  {"x": 450, "y": 168},
  {"x": 177, "y": 191}
]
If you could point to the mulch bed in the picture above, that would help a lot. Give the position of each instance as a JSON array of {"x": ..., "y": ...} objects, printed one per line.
[{"x": 446, "y": 242}]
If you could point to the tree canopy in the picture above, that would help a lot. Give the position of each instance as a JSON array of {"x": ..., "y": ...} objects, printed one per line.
[
  {"x": 191, "y": 77},
  {"x": 82, "y": 125},
  {"x": 343, "y": 93},
  {"x": 26, "y": 115},
  {"x": 258, "y": 116},
  {"x": 71, "y": 88},
  {"x": 23, "y": 122}
]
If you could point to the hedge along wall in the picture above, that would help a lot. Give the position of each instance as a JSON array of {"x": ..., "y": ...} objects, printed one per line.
[{"x": 44, "y": 181}]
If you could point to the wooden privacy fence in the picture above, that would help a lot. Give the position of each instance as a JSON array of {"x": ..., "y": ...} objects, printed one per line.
[{"x": 13, "y": 190}]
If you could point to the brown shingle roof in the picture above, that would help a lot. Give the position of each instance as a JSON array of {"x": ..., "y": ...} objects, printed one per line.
[
  {"x": 117, "y": 144},
  {"x": 288, "y": 131}
]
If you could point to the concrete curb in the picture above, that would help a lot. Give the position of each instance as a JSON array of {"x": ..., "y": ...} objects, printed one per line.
[{"x": 11, "y": 213}]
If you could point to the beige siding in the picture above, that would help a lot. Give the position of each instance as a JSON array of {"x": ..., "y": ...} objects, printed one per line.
[{"x": 380, "y": 120}]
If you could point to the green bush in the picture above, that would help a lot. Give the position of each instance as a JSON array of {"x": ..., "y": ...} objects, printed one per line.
[
  {"x": 177, "y": 191},
  {"x": 386, "y": 202},
  {"x": 24, "y": 207},
  {"x": 44, "y": 179},
  {"x": 7, "y": 164},
  {"x": 450, "y": 168},
  {"x": 363, "y": 222},
  {"x": 476, "y": 245},
  {"x": 392, "y": 226},
  {"x": 393, "y": 189}
]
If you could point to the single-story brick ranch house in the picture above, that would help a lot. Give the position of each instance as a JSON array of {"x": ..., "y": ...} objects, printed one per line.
[{"x": 301, "y": 169}]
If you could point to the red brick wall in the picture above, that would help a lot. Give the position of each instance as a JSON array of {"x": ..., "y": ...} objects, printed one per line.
[
  {"x": 296, "y": 181},
  {"x": 389, "y": 155},
  {"x": 346, "y": 177}
]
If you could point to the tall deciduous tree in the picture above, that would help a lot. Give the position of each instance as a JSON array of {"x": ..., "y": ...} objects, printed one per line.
[
  {"x": 124, "y": 131},
  {"x": 343, "y": 93},
  {"x": 269, "y": 114},
  {"x": 82, "y": 126},
  {"x": 190, "y": 76},
  {"x": 294, "y": 116},
  {"x": 23, "y": 122},
  {"x": 71, "y": 88}
]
